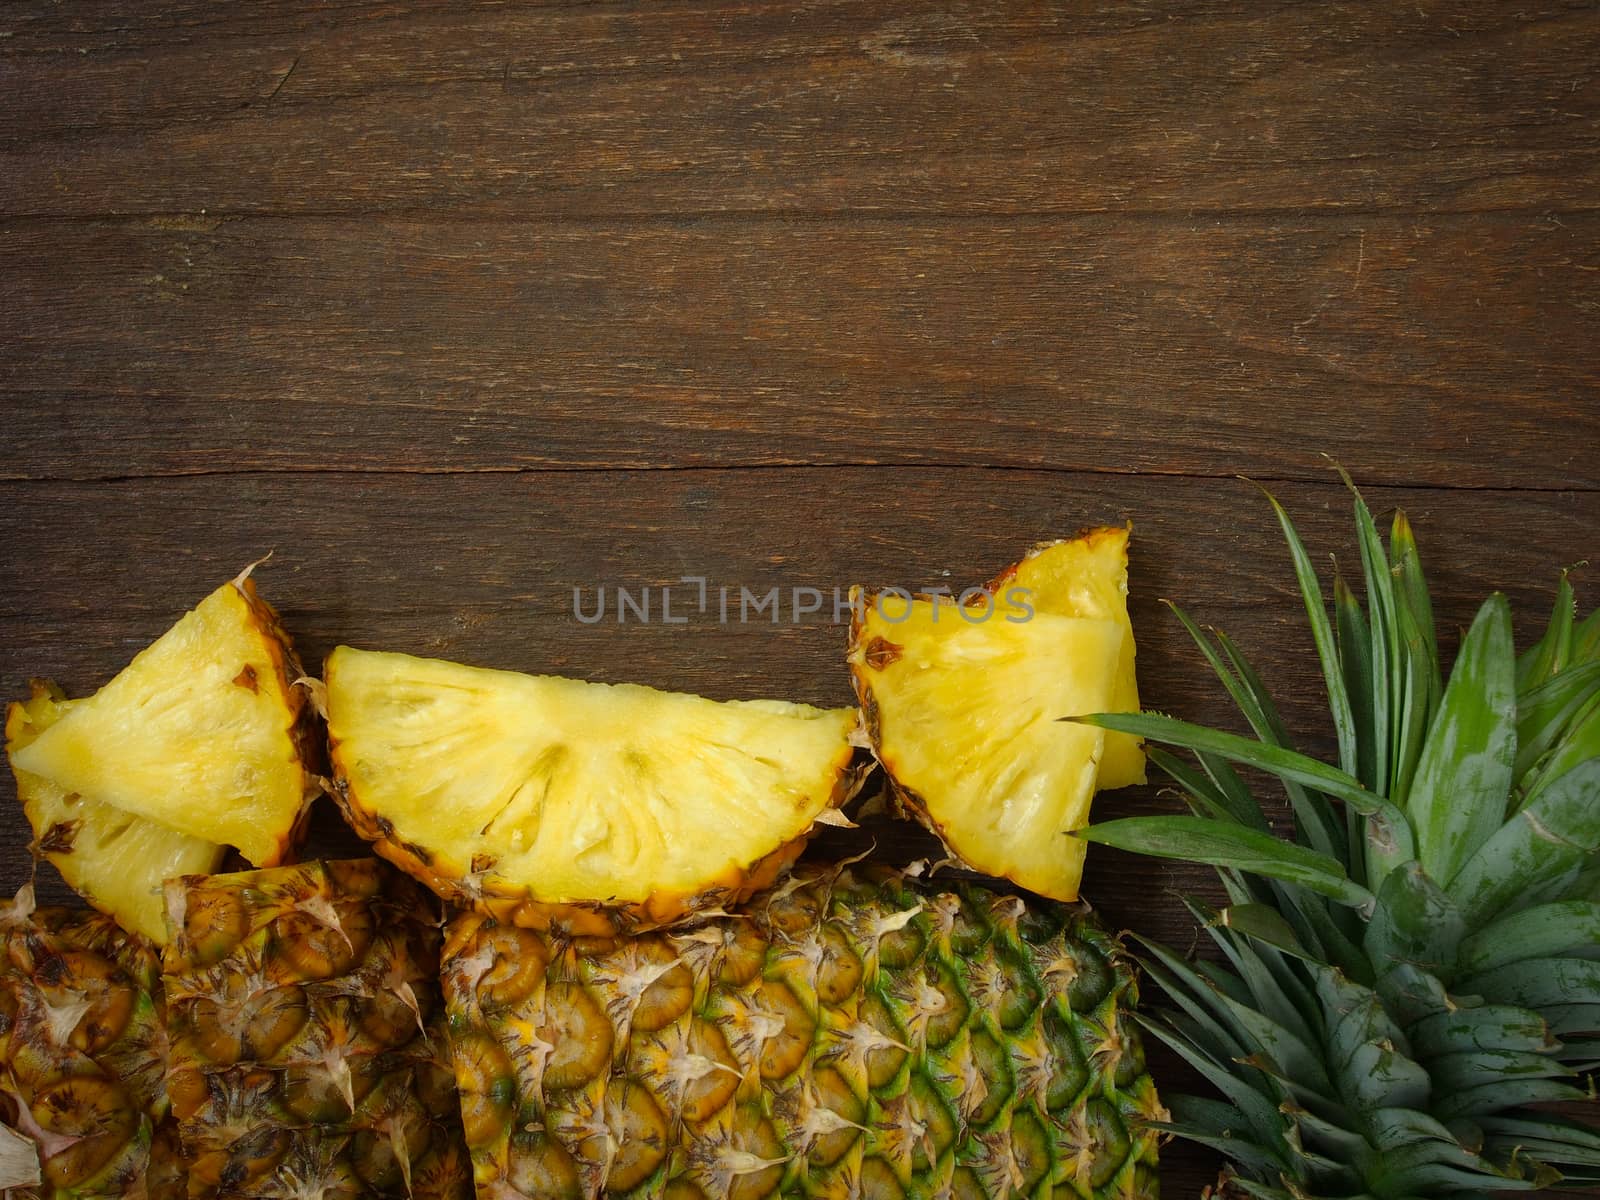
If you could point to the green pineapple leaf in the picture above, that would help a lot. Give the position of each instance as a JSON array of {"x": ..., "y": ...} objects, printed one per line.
[
  {"x": 1550, "y": 839},
  {"x": 1367, "y": 1049},
  {"x": 1565, "y": 928},
  {"x": 1219, "y": 844},
  {"x": 1286, "y": 764},
  {"x": 1546, "y": 713},
  {"x": 1476, "y": 1068},
  {"x": 1551, "y": 653},
  {"x": 1505, "y": 1093},
  {"x": 1486, "y": 1027},
  {"x": 1384, "y": 641},
  {"x": 1579, "y": 742},
  {"x": 1414, "y": 922},
  {"x": 1355, "y": 660},
  {"x": 1328, "y": 650},
  {"x": 1458, "y": 798},
  {"x": 1204, "y": 795},
  {"x": 1537, "y": 983}
]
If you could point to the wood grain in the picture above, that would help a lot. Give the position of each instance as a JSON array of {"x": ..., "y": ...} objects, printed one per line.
[
  {"x": 971, "y": 106},
  {"x": 1455, "y": 350},
  {"x": 457, "y": 307}
]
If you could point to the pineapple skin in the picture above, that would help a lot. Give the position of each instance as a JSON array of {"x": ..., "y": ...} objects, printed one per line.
[
  {"x": 307, "y": 1042},
  {"x": 850, "y": 1035},
  {"x": 82, "y": 1047}
]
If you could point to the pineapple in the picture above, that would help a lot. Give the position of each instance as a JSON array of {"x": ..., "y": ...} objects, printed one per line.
[
  {"x": 849, "y": 1035},
  {"x": 962, "y": 703},
  {"x": 1414, "y": 977},
  {"x": 113, "y": 859},
  {"x": 195, "y": 746},
  {"x": 82, "y": 1047},
  {"x": 1087, "y": 576},
  {"x": 308, "y": 1054},
  {"x": 594, "y": 806}
]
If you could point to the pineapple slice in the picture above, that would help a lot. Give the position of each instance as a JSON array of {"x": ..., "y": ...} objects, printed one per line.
[
  {"x": 965, "y": 718},
  {"x": 1088, "y": 577},
  {"x": 592, "y": 806},
  {"x": 113, "y": 859},
  {"x": 199, "y": 733}
]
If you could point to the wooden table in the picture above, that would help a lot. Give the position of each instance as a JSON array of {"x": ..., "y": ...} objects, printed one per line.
[{"x": 458, "y": 310}]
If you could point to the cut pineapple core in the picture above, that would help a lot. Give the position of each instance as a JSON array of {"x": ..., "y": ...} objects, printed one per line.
[
  {"x": 198, "y": 733},
  {"x": 551, "y": 799},
  {"x": 113, "y": 859},
  {"x": 966, "y": 719},
  {"x": 1087, "y": 577}
]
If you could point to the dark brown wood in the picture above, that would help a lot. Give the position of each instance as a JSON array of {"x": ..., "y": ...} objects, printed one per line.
[
  {"x": 458, "y": 309},
  {"x": 973, "y": 107},
  {"x": 1455, "y": 350}
]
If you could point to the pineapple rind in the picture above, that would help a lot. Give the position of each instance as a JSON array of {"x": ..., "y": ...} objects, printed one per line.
[
  {"x": 82, "y": 1048},
  {"x": 113, "y": 859},
  {"x": 966, "y": 719},
  {"x": 307, "y": 1042},
  {"x": 201, "y": 731},
  {"x": 849, "y": 1034},
  {"x": 591, "y": 805}
]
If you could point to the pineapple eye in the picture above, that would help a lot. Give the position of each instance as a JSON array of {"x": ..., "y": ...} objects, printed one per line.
[
  {"x": 842, "y": 1126},
  {"x": 305, "y": 947},
  {"x": 540, "y": 1166},
  {"x": 785, "y": 1046},
  {"x": 214, "y": 922},
  {"x": 519, "y": 958},
  {"x": 640, "y": 1132},
  {"x": 487, "y": 1083},
  {"x": 580, "y": 1034}
]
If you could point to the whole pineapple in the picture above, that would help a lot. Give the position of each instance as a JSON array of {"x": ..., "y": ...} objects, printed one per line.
[
  {"x": 308, "y": 1057},
  {"x": 850, "y": 1035},
  {"x": 1410, "y": 977}
]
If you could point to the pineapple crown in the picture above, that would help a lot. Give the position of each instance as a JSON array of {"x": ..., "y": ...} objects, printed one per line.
[{"x": 1419, "y": 965}]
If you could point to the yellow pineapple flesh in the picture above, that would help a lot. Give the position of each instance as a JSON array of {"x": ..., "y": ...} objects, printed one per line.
[
  {"x": 964, "y": 703},
  {"x": 1087, "y": 576},
  {"x": 966, "y": 721},
  {"x": 200, "y": 733},
  {"x": 551, "y": 799},
  {"x": 112, "y": 858}
]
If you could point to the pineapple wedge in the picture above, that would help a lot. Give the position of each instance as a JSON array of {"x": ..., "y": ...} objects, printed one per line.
[
  {"x": 113, "y": 859},
  {"x": 965, "y": 719},
  {"x": 200, "y": 734},
  {"x": 962, "y": 704},
  {"x": 1087, "y": 576},
  {"x": 589, "y": 806}
]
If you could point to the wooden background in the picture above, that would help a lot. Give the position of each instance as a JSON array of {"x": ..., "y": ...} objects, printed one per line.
[{"x": 458, "y": 308}]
